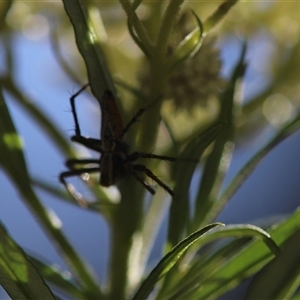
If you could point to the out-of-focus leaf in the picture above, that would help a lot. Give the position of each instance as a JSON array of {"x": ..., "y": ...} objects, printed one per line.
[
  {"x": 179, "y": 209},
  {"x": 90, "y": 48},
  {"x": 60, "y": 278},
  {"x": 5, "y": 7},
  {"x": 13, "y": 162},
  {"x": 296, "y": 297},
  {"x": 218, "y": 161},
  {"x": 133, "y": 21},
  {"x": 193, "y": 41},
  {"x": 247, "y": 169},
  {"x": 18, "y": 276},
  {"x": 11, "y": 155},
  {"x": 280, "y": 278},
  {"x": 219, "y": 14},
  {"x": 135, "y": 26},
  {"x": 169, "y": 261},
  {"x": 38, "y": 116},
  {"x": 104, "y": 206}
]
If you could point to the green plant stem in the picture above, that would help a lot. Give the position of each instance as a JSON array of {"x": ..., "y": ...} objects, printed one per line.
[
  {"x": 158, "y": 75},
  {"x": 126, "y": 222},
  {"x": 167, "y": 26},
  {"x": 127, "y": 219},
  {"x": 130, "y": 213}
]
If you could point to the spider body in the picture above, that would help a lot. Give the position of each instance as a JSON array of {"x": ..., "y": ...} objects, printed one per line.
[{"x": 115, "y": 162}]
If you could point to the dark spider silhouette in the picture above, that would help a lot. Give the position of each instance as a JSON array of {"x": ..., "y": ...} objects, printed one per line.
[{"x": 115, "y": 162}]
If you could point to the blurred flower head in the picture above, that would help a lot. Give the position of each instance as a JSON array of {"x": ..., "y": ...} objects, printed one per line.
[{"x": 197, "y": 79}]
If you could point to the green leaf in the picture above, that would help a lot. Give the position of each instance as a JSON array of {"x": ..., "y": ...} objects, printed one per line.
[
  {"x": 187, "y": 288},
  {"x": 133, "y": 21},
  {"x": 280, "y": 278},
  {"x": 244, "y": 230},
  {"x": 89, "y": 46},
  {"x": 179, "y": 210},
  {"x": 245, "y": 263},
  {"x": 135, "y": 26},
  {"x": 192, "y": 42},
  {"x": 202, "y": 265},
  {"x": 18, "y": 276},
  {"x": 169, "y": 260},
  {"x": 188, "y": 46}
]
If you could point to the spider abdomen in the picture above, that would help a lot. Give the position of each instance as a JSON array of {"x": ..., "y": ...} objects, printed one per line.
[{"x": 112, "y": 168}]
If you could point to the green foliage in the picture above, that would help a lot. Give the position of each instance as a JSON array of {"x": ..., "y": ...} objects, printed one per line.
[
  {"x": 194, "y": 265},
  {"x": 280, "y": 278},
  {"x": 18, "y": 276}
]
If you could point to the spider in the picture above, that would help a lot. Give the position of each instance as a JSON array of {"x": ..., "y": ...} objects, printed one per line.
[{"x": 115, "y": 161}]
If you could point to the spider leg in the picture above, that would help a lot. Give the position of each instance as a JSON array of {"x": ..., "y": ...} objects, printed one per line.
[
  {"x": 70, "y": 163},
  {"x": 91, "y": 143},
  {"x": 143, "y": 169},
  {"x": 136, "y": 155},
  {"x": 130, "y": 169},
  {"x": 135, "y": 118},
  {"x": 140, "y": 179},
  {"x": 70, "y": 188},
  {"x": 130, "y": 123},
  {"x": 73, "y": 108}
]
